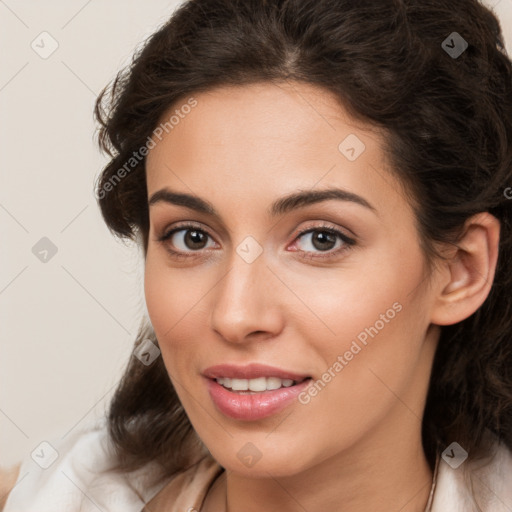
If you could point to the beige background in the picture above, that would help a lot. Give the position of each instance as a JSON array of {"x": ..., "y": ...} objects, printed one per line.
[{"x": 67, "y": 325}]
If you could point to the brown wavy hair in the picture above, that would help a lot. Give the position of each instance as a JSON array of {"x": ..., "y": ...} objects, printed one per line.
[{"x": 448, "y": 129}]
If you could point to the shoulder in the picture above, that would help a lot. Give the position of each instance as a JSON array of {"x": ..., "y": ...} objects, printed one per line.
[
  {"x": 76, "y": 473},
  {"x": 489, "y": 480}
]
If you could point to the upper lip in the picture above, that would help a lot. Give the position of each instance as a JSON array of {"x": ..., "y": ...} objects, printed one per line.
[{"x": 250, "y": 371}]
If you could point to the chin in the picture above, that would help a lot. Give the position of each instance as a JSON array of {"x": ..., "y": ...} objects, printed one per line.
[
  {"x": 263, "y": 469},
  {"x": 246, "y": 459}
]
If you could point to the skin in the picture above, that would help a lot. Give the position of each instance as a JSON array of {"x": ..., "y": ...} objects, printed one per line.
[{"x": 356, "y": 446}]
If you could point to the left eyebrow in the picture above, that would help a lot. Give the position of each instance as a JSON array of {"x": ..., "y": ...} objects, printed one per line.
[
  {"x": 281, "y": 206},
  {"x": 300, "y": 199}
]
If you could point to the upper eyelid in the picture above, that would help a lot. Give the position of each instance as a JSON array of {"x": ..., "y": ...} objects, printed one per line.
[{"x": 192, "y": 225}]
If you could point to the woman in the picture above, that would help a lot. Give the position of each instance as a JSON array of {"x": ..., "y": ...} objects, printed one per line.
[{"x": 319, "y": 188}]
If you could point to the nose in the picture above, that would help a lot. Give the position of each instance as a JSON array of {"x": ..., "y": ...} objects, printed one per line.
[{"x": 246, "y": 303}]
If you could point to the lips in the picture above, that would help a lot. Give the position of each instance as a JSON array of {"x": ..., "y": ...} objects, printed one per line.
[{"x": 248, "y": 405}]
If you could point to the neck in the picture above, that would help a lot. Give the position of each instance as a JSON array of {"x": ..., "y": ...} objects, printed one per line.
[{"x": 394, "y": 476}]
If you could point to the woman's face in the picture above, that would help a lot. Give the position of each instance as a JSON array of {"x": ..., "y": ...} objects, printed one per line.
[{"x": 346, "y": 304}]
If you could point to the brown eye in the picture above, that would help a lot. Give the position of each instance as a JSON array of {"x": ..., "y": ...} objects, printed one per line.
[
  {"x": 318, "y": 240},
  {"x": 194, "y": 239},
  {"x": 185, "y": 239},
  {"x": 323, "y": 240}
]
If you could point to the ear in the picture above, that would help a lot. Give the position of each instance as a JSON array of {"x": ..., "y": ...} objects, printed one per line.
[{"x": 466, "y": 276}]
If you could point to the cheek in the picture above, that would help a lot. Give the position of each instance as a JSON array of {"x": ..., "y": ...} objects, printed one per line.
[
  {"x": 337, "y": 307},
  {"x": 176, "y": 302},
  {"x": 160, "y": 303},
  {"x": 372, "y": 359},
  {"x": 368, "y": 326},
  {"x": 169, "y": 292}
]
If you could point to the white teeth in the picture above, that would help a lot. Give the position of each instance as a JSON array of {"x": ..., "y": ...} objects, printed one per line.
[
  {"x": 239, "y": 384},
  {"x": 273, "y": 383},
  {"x": 259, "y": 384},
  {"x": 256, "y": 385}
]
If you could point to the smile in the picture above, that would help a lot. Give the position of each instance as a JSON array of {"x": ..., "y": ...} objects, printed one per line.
[
  {"x": 249, "y": 405},
  {"x": 255, "y": 385}
]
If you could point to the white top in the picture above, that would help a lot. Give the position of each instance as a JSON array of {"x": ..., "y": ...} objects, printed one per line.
[{"x": 77, "y": 478}]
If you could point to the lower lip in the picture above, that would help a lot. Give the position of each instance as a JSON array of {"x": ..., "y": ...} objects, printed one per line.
[{"x": 255, "y": 406}]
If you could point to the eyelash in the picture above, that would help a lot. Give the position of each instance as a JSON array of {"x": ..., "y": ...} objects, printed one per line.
[{"x": 348, "y": 242}]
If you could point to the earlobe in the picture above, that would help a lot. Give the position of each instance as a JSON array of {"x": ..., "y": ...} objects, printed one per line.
[{"x": 470, "y": 270}]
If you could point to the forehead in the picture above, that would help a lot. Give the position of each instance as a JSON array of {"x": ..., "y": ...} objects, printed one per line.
[{"x": 264, "y": 139}]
